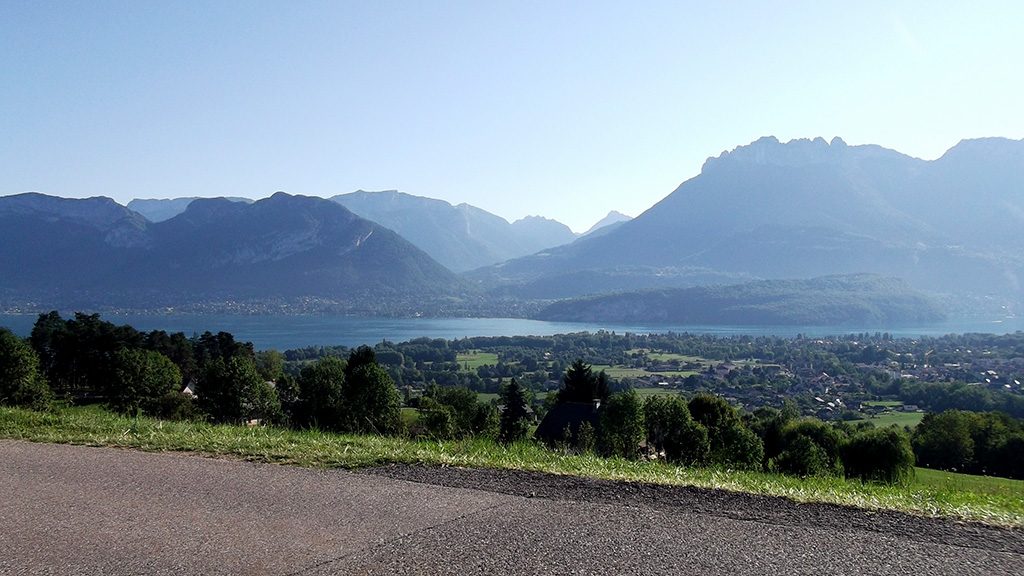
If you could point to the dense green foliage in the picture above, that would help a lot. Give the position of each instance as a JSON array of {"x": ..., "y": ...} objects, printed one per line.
[
  {"x": 972, "y": 442},
  {"x": 515, "y": 418},
  {"x": 580, "y": 384},
  {"x": 877, "y": 455},
  {"x": 621, "y": 425},
  {"x": 21, "y": 383},
  {"x": 141, "y": 379},
  {"x": 671, "y": 430},
  {"x": 369, "y": 399},
  {"x": 320, "y": 387},
  {"x": 811, "y": 449}
]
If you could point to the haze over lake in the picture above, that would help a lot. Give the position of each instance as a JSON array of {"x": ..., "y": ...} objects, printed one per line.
[{"x": 289, "y": 332}]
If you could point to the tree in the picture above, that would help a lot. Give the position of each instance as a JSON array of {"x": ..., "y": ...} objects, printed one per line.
[
  {"x": 21, "y": 383},
  {"x": 177, "y": 348},
  {"x": 944, "y": 441},
  {"x": 463, "y": 404},
  {"x": 810, "y": 448},
  {"x": 803, "y": 457},
  {"x": 515, "y": 418},
  {"x": 580, "y": 384},
  {"x": 233, "y": 391},
  {"x": 369, "y": 397},
  {"x": 731, "y": 442},
  {"x": 270, "y": 364},
  {"x": 320, "y": 395},
  {"x": 79, "y": 356},
  {"x": 259, "y": 397},
  {"x": 621, "y": 426},
  {"x": 671, "y": 430},
  {"x": 769, "y": 423},
  {"x": 438, "y": 419},
  {"x": 739, "y": 448},
  {"x": 713, "y": 412},
  {"x": 141, "y": 378},
  {"x": 879, "y": 455}
]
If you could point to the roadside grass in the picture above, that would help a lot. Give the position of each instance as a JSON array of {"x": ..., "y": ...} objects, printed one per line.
[
  {"x": 474, "y": 359},
  {"x": 95, "y": 427}
]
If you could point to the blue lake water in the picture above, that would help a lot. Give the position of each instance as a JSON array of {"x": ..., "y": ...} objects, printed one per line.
[{"x": 287, "y": 332}]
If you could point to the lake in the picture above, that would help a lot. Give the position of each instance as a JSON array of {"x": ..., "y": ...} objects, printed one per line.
[{"x": 287, "y": 332}]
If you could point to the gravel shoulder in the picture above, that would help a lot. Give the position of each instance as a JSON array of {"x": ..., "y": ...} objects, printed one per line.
[{"x": 719, "y": 503}]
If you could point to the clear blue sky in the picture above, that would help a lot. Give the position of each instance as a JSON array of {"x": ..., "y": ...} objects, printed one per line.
[{"x": 564, "y": 109}]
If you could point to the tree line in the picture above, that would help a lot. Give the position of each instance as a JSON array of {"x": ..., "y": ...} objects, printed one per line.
[
  {"x": 86, "y": 359},
  {"x": 708, "y": 431}
]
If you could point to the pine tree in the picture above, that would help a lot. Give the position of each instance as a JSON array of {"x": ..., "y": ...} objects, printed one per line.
[{"x": 515, "y": 419}]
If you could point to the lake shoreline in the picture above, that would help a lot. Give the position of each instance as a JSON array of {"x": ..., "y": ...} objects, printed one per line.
[{"x": 285, "y": 332}]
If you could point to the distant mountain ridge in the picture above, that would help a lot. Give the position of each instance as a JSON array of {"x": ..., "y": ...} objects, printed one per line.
[
  {"x": 805, "y": 209},
  {"x": 160, "y": 209},
  {"x": 611, "y": 221},
  {"x": 461, "y": 237},
  {"x": 96, "y": 252}
]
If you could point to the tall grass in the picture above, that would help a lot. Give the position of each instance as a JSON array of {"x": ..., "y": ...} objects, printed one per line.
[{"x": 96, "y": 427}]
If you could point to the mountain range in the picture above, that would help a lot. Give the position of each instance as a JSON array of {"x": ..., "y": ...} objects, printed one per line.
[
  {"x": 461, "y": 237},
  {"x": 802, "y": 209},
  {"x": 94, "y": 252},
  {"x": 767, "y": 211},
  {"x": 160, "y": 209}
]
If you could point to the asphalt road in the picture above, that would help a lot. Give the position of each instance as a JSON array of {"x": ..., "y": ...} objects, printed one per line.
[{"x": 77, "y": 510}]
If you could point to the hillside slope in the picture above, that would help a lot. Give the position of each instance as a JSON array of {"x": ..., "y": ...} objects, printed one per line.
[{"x": 859, "y": 300}]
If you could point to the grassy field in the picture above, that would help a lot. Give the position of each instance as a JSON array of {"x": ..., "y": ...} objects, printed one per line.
[
  {"x": 883, "y": 403},
  {"x": 474, "y": 359},
  {"x": 952, "y": 481},
  {"x": 410, "y": 416},
  {"x": 316, "y": 449},
  {"x": 645, "y": 392},
  {"x": 624, "y": 372},
  {"x": 900, "y": 419}
]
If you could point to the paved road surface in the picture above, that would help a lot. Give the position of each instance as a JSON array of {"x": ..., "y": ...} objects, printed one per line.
[{"x": 76, "y": 510}]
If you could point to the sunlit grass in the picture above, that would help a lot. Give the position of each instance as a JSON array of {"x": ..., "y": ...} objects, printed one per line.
[
  {"x": 900, "y": 419},
  {"x": 473, "y": 359},
  {"x": 95, "y": 427}
]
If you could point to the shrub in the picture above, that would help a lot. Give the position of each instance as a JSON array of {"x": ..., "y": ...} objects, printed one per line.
[
  {"x": 882, "y": 455},
  {"x": 21, "y": 383},
  {"x": 621, "y": 425}
]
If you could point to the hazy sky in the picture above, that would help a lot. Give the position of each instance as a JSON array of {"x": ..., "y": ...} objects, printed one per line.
[{"x": 562, "y": 109}]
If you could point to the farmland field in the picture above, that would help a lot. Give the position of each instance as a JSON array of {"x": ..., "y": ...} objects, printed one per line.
[
  {"x": 900, "y": 419},
  {"x": 474, "y": 359},
  {"x": 645, "y": 392},
  {"x": 883, "y": 403}
]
